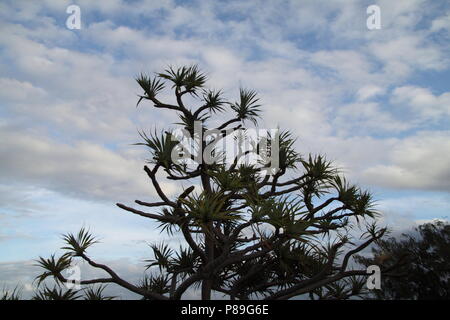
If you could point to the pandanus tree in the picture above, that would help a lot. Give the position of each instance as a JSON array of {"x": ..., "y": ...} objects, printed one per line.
[{"x": 275, "y": 228}]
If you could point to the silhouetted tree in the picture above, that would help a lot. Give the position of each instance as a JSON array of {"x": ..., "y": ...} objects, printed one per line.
[
  {"x": 423, "y": 258},
  {"x": 251, "y": 230}
]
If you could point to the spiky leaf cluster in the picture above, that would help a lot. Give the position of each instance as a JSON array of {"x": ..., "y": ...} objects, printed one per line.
[
  {"x": 190, "y": 78},
  {"x": 247, "y": 108}
]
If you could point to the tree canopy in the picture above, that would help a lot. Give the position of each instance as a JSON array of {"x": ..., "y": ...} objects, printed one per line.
[
  {"x": 423, "y": 259},
  {"x": 276, "y": 228}
]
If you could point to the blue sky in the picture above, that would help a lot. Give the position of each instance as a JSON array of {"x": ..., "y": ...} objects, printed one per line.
[{"x": 377, "y": 102}]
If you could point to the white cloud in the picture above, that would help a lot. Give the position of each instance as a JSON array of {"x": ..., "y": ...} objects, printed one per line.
[
  {"x": 19, "y": 91},
  {"x": 82, "y": 169},
  {"x": 402, "y": 56},
  {"x": 419, "y": 162},
  {"x": 293, "y": 94},
  {"x": 348, "y": 64},
  {"x": 369, "y": 91},
  {"x": 367, "y": 118},
  {"x": 423, "y": 102},
  {"x": 441, "y": 23}
]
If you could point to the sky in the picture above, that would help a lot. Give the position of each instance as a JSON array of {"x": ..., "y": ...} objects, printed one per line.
[{"x": 376, "y": 102}]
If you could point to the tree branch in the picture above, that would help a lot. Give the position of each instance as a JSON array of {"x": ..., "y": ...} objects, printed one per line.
[
  {"x": 152, "y": 175},
  {"x": 122, "y": 282},
  {"x": 158, "y": 217}
]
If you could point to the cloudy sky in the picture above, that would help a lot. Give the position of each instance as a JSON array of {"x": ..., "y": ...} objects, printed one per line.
[{"x": 377, "y": 102}]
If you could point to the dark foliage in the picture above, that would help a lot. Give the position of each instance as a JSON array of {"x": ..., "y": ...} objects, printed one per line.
[{"x": 424, "y": 259}]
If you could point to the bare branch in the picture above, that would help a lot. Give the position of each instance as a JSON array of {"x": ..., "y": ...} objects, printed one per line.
[
  {"x": 122, "y": 282},
  {"x": 152, "y": 175},
  {"x": 158, "y": 217}
]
